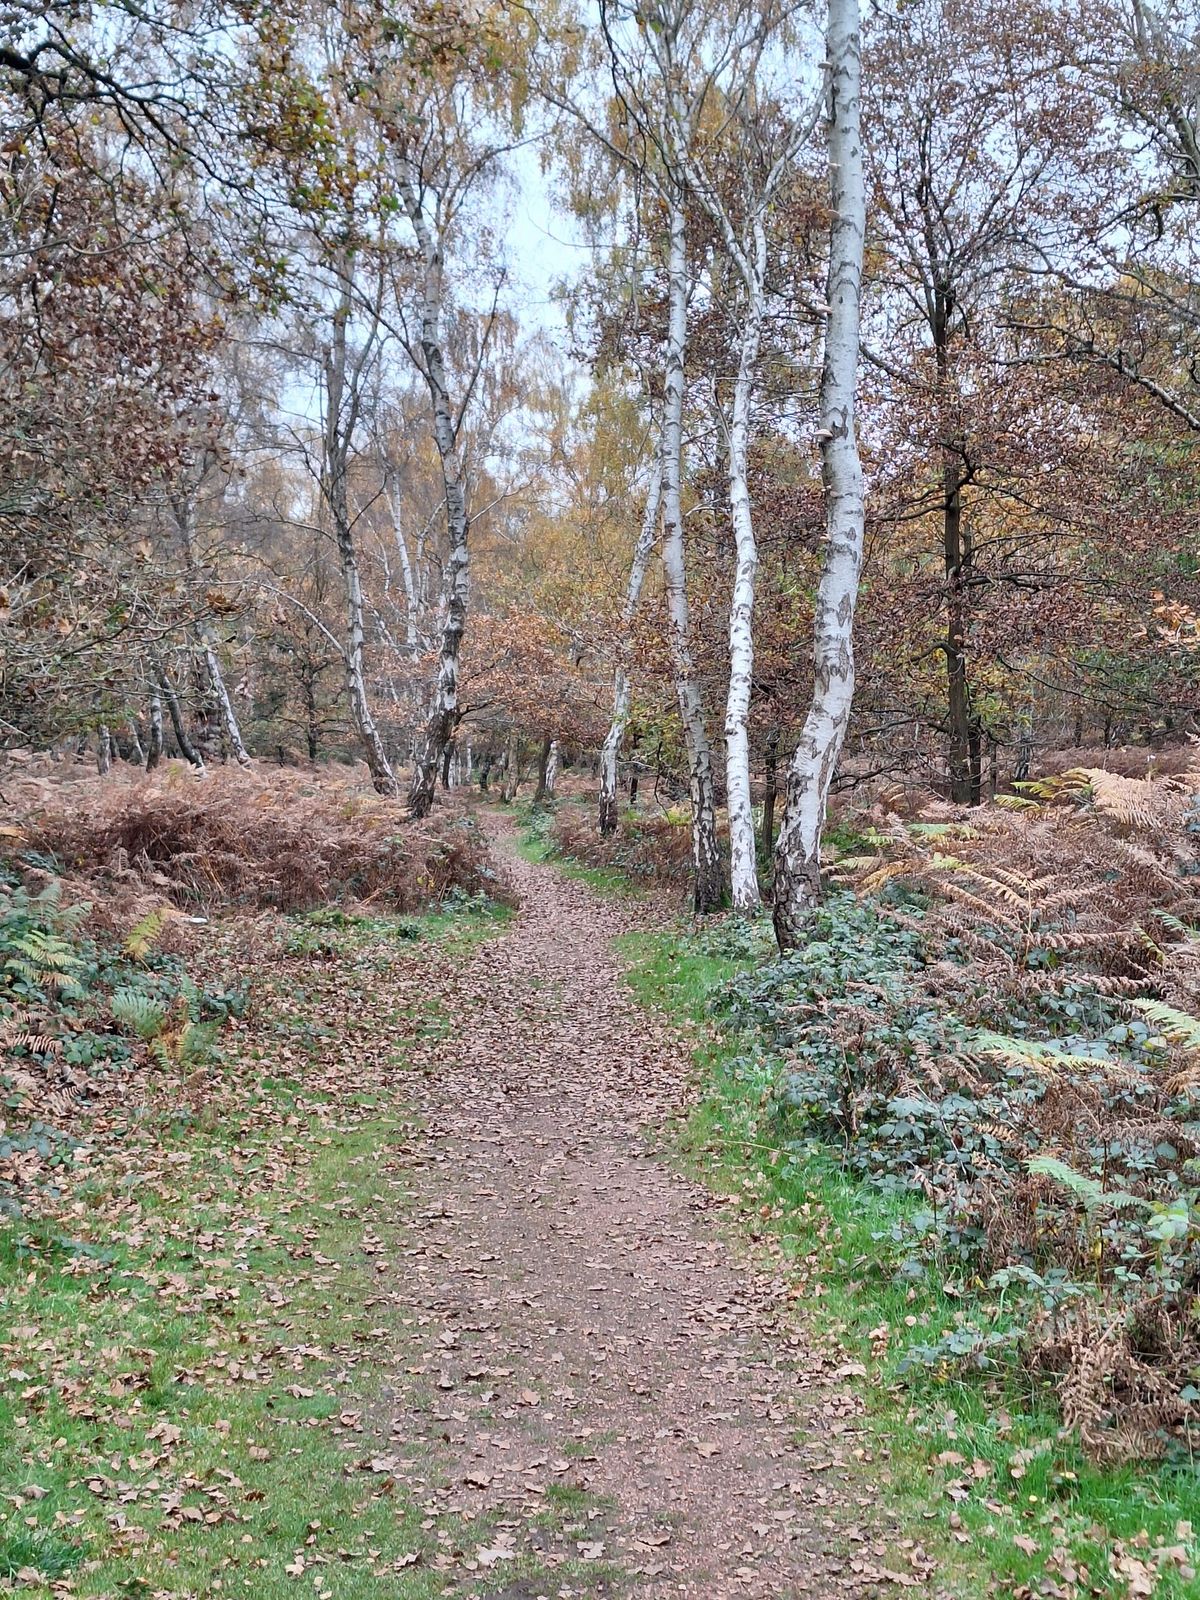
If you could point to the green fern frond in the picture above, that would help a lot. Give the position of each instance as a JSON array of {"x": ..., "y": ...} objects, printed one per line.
[
  {"x": 1091, "y": 1194},
  {"x": 140, "y": 1013},
  {"x": 145, "y": 933},
  {"x": 1178, "y": 1026},
  {"x": 1041, "y": 1057}
]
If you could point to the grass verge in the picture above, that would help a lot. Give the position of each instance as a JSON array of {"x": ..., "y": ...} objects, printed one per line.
[
  {"x": 980, "y": 1466},
  {"x": 195, "y": 1343}
]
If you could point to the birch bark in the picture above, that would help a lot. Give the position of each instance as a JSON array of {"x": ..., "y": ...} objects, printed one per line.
[
  {"x": 743, "y": 867},
  {"x": 183, "y": 506},
  {"x": 706, "y": 857},
  {"x": 444, "y": 717},
  {"x": 341, "y": 415},
  {"x": 798, "y": 855},
  {"x": 154, "y": 741},
  {"x": 611, "y": 748}
]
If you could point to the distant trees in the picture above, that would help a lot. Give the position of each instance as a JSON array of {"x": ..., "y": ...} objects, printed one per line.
[{"x": 287, "y": 468}]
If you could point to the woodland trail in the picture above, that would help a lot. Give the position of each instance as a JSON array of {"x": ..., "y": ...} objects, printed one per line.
[{"x": 585, "y": 1336}]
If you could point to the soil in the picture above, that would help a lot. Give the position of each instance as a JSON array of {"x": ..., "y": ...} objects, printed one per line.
[{"x": 589, "y": 1340}]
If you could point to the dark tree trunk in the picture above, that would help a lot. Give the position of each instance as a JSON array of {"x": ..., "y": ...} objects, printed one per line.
[
  {"x": 975, "y": 746},
  {"x": 447, "y": 758},
  {"x": 186, "y": 748},
  {"x": 539, "y": 794},
  {"x": 485, "y": 772},
  {"x": 770, "y": 792}
]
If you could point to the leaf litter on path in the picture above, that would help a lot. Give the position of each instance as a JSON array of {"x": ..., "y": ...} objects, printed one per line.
[{"x": 591, "y": 1345}]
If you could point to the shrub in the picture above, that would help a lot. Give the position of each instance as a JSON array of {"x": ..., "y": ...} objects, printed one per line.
[
  {"x": 644, "y": 847},
  {"x": 270, "y": 838}
]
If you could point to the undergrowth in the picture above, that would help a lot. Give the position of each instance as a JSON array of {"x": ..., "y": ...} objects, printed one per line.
[{"x": 971, "y": 1437}]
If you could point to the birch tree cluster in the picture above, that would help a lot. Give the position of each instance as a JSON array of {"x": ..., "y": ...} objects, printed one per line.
[{"x": 856, "y": 446}]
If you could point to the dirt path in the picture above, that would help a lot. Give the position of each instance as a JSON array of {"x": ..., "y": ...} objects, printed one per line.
[{"x": 586, "y": 1341}]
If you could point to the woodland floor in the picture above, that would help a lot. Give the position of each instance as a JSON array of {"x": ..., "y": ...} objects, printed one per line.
[
  {"x": 587, "y": 1331},
  {"x": 406, "y": 1295}
]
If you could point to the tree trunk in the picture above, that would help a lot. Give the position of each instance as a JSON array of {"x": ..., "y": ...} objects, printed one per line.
[
  {"x": 552, "y": 768},
  {"x": 186, "y": 748},
  {"x": 228, "y": 716},
  {"x": 154, "y": 740},
  {"x": 444, "y": 718},
  {"x": 447, "y": 759},
  {"x": 957, "y": 687},
  {"x": 770, "y": 791},
  {"x": 103, "y": 749},
  {"x": 743, "y": 866},
  {"x": 798, "y": 855},
  {"x": 512, "y": 769},
  {"x": 183, "y": 505},
  {"x": 341, "y": 415},
  {"x": 138, "y": 755},
  {"x": 706, "y": 858},
  {"x": 485, "y": 772},
  {"x": 539, "y": 794},
  {"x": 611, "y": 748}
]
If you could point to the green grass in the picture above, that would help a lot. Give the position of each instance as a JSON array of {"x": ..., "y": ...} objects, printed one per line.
[
  {"x": 980, "y": 1467},
  {"x": 536, "y": 845},
  {"x": 192, "y": 1356}
]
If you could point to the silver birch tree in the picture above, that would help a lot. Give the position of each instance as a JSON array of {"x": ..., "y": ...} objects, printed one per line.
[
  {"x": 639, "y": 566},
  {"x": 798, "y": 854}
]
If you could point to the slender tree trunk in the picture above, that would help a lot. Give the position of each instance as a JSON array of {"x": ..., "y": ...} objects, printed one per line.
[
  {"x": 444, "y": 717},
  {"x": 183, "y": 506},
  {"x": 154, "y": 742},
  {"x": 186, "y": 748},
  {"x": 447, "y": 759},
  {"x": 611, "y": 749},
  {"x": 798, "y": 855},
  {"x": 138, "y": 755},
  {"x": 512, "y": 769},
  {"x": 485, "y": 772},
  {"x": 411, "y": 635},
  {"x": 104, "y": 746},
  {"x": 743, "y": 866},
  {"x": 228, "y": 716},
  {"x": 957, "y": 687},
  {"x": 341, "y": 415},
  {"x": 552, "y": 768},
  {"x": 770, "y": 791},
  {"x": 539, "y": 794},
  {"x": 706, "y": 857}
]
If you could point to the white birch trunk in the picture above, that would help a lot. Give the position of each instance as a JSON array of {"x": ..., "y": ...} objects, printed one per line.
[
  {"x": 552, "y": 768},
  {"x": 743, "y": 867},
  {"x": 341, "y": 405},
  {"x": 406, "y": 572},
  {"x": 154, "y": 746},
  {"x": 706, "y": 858},
  {"x": 216, "y": 679},
  {"x": 512, "y": 769},
  {"x": 611, "y": 748},
  {"x": 444, "y": 717},
  {"x": 184, "y": 507},
  {"x": 798, "y": 855},
  {"x": 103, "y": 749}
]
